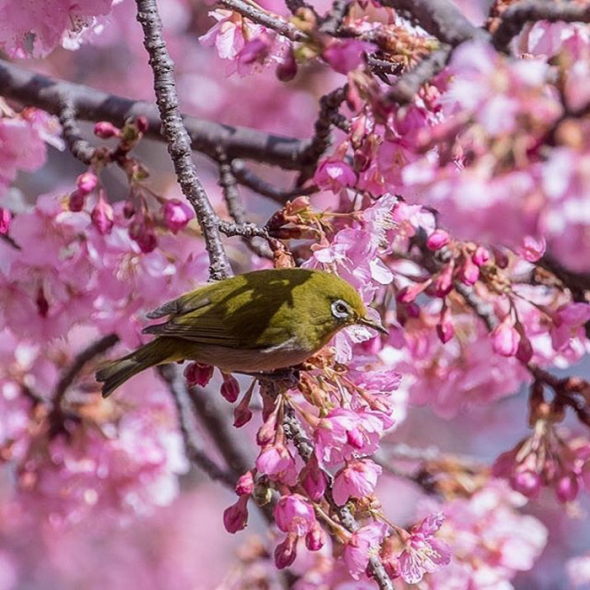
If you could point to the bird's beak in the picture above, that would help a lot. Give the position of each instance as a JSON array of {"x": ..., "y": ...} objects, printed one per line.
[{"x": 373, "y": 324}]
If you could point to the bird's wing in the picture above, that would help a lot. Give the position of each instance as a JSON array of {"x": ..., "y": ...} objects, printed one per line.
[{"x": 185, "y": 304}]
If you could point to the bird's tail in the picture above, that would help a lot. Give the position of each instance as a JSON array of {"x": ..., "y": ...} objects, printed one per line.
[{"x": 115, "y": 373}]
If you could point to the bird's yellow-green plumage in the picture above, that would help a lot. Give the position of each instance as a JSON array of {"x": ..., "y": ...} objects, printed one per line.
[{"x": 256, "y": 322}]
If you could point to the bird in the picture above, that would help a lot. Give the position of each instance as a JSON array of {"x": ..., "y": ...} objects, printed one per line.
[{"x": 256, "y": 322}]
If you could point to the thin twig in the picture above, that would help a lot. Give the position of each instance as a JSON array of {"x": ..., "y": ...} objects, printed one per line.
[
  {"x": 80, "y": 148},
  {"x": 329, "y": 105},
  {"x": 31, "y": 89},
  {"x": 177, "y": 138},
  {"x": 247, "y": 178},
  {"x": 516, "y": 16},
  {"x": 261, "y": 17},
  {"x": 194, "y": 452},
  {"x": 482, "y": 309},
  {"x": 93, "y": 350}
]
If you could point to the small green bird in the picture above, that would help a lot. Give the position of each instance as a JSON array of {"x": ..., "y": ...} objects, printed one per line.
[{"x": 256, "y": 322}]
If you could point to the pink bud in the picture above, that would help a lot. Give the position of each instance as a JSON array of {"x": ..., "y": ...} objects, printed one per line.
[
  {"x": 86, "y": 183},
  {"x": 230, "y": 388},
  {"x": 437, "y": 240},
  {"x": 528, "y": 483},
  {"x": 76, "y": 202},
  {"x": 287, "y": 70},
  {"x": 147, "y": 241},
  {"x": 481, "y": 256},
  {"x": 198, "y": 374},
  {"x": 443, "y": 283},
  {"x": 267, "y": 432},
  {"x": 500, "y": 258},
  {"x": 409, "y": 293},
  {"x": 142, "y": 124},
  {"x": 468, "y": 272},
  {"x": 102, "y": 216},
  {"x": 313, "y": 480},
  {"x": 286, "y": 552},
  {"x": 235, "y": 518},
  {"x": 129, "y": 211},
  {"x": 315, "y": 539},
  {"x": 5, "y": 219},
  {"x": 567, "y": 488},
  {"x": 524, "y": 353},
  {"x": 176, "y": 214},
  {"x": 445, "y": 329},
  {"x": 105, "y": 129},
  {"x": 533, "y": 248},
  {"x": 505, "y": 338},
  {"x": 245, "y": 484}
]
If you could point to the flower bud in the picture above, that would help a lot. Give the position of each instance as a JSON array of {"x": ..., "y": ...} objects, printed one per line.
[
  {"x": 176, "y": 215},
  {"x": 105, "y": 129},
  {"x": 230, "y": 388},
  {"x": 235, "y": 518},
  {"x": 5, "y": 219},
  {"x": 567, "y": 488},
  {"x": 147, "y": 241},
  {"x": 245, "y": 484},
  {"x": 86, "y": 182},
  {"x": 286, "y": 552},
  {"x": 481, "y": 256},
  {"x": 443, "y": 283},
  {"x": 102, "y": 216},
  {"x": 524, "y": 352},
  {"x": 315, "y": 539},
  {"x": 528, "y": 483},
  {"x": 287, "y": 70},
  {"x": 198, "y": 374},
  {"x": 76, "y": 201},
  {"x": 437, "y": 240},
  {"x": 142, "y": 124},
  {"x": 445, "y": 329},
  {"x": 468, "y": 272},
  {"x": 313, "y": 480},
  {"x": 505, "y": 338}
]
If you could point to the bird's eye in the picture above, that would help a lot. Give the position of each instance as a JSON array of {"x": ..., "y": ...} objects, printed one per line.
[{"x": 340, "y": 309}]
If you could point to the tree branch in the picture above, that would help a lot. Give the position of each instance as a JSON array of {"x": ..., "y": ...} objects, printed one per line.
[
  {"x": 441, "y": 18},
  {"x": 261, "y": 17},
  {"x": 516, "y": 16},
  {"x": 78, "y": 146},
  {"x": 32, "y": 89},
  {"x": 194, "y": 452},
  {"x": 177, "y": 138},
  {"x": 408, "y": 85}
]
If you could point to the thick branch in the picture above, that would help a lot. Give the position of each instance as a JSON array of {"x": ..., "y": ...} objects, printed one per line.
[
  {"x": 179, "y": 144},
  {"x": 441, "y": 18},
  {"x": 408, "y": 85},
  {"x": 516, "y": 16},
  {"x": 31, "y": 89}
]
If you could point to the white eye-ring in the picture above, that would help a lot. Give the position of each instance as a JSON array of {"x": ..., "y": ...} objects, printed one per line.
[{"x": 341, "y": 310}]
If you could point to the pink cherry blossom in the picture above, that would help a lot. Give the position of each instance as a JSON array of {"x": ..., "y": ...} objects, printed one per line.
[
  {"x": 358, "y": 479},
  {"x": 176, "y": 214},
  {"x": 294, "y": 514},
  {"x": 424, "y": 553},
  {"x": 362, "y": 544}
]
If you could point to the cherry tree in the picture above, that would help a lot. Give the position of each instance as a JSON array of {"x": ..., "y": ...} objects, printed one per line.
[{"x": 435, "y": 154}]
